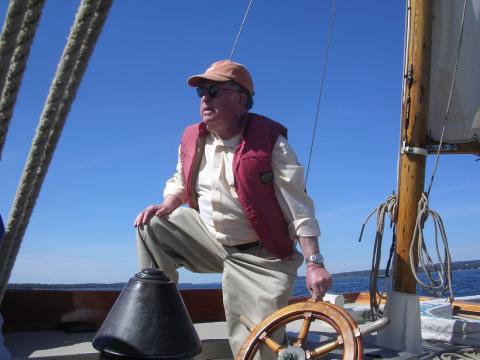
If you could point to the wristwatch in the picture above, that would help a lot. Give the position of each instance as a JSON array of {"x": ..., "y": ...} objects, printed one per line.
[{"x": 315, "y": 258}]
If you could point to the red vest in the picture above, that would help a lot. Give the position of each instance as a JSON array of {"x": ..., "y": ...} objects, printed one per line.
[{"x": 253, "y": 174}]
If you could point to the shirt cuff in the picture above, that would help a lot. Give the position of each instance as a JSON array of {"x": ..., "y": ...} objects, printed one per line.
[
  {"x": 175, "y": 192},
  {"x": 304, "y": 227}
]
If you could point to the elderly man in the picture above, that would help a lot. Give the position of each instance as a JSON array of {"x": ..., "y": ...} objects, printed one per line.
[{"x": 247, "y": 205}]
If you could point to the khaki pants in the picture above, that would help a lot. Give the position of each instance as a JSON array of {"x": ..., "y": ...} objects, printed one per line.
[{"x": 254, "y": 282}]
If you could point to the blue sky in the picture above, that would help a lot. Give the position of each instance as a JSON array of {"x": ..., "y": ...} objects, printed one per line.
[{"x": 119, "y": 145}]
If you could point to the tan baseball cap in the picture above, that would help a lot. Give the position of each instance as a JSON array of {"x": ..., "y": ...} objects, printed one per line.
[{"x": 225, "y": 70}]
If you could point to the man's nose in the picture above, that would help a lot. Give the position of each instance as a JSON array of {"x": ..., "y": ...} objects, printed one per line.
[{"x": 206, "y": 98}]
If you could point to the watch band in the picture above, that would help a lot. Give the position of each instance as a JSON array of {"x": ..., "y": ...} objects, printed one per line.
[{"x": 315, "y": 258}]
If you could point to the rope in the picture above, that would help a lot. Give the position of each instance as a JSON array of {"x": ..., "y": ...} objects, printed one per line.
[
  {"x": 240, "y": 30},
  {"x": 469, "y": 353},
  {"x": 325, "y": 61},
  {"x": 443, "y": 283},
  {"x": 11, "y": 27},
  {"x": 15, "y": 44},
  {"x": 388, "y": 207},
  {"x": 83, "y": 36},
  {"x": 449, "y": 98}
]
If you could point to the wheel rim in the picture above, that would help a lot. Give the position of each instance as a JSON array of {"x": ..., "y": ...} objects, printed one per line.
[{"x": 348, "y": 334}]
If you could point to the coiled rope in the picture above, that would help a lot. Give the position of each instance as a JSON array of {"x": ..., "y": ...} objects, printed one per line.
[
  {"x": 469, "y": 353},
  {"x": 15, "y": 42},
  {"x": 83, "y": 36},
  {"x": 443, "y": 283},
  {"x": 388, "y": 207}
]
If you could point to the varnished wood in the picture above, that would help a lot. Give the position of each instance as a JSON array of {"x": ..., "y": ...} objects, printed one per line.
[
  {"x": 347, "y": 330},
  {"x": 38, "y": 310},
  {"x": 361, "y": 298},
  {"x": 364, "y": 298},
  {"x": 324, "y": 349},
  {"x": 303, "y": 333},
  {"x": 468, "y": 309},
  {"x": 414, "y": 127},
  {"x": 272, "y": 344},
  {"x": 82, "y": 310}
]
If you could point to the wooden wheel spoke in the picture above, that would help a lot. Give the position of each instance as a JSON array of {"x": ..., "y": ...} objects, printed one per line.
[
  {"x": 324, "y": 349},
  {"x": 303, "y": 333},
  {"x": 272, "y": 344}
]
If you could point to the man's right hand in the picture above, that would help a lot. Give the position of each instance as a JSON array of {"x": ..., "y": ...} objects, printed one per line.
[{"x": 169, "y": 204}]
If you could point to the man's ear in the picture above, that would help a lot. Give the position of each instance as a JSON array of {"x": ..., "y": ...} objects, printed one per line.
[{"x": 243, "y": 99}]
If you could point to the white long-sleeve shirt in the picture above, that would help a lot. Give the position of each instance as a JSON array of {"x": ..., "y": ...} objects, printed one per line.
[{"x": 218, "y": 202}]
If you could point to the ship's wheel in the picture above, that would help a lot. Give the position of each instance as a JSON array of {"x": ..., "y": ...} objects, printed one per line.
[{"x": 348, "y": 336}]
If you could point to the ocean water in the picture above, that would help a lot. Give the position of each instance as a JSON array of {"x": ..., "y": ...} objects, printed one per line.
[{"x": 465, "y": 283}]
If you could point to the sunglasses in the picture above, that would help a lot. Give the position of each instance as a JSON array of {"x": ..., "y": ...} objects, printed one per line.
[{"x": 212, "y": 91}]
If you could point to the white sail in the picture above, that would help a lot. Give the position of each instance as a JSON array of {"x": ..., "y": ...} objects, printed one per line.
[{"x": 464, "y": 119}]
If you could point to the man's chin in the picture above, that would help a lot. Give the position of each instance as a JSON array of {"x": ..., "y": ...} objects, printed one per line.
[{"x": 209, "y": 121}]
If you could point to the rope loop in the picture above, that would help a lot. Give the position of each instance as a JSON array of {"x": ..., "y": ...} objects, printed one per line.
[
  {"x": 469, "y": 353},
  {"x": 441, "y": 283},
  {"x": 388, "y": 207}
]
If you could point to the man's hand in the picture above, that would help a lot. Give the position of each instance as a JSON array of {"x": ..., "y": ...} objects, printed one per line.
[
  {"x": 318, "y": 280},
  {"x": 170, "y": 203}
]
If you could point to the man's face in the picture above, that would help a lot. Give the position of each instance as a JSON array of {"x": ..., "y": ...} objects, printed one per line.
[{"x": 220, "y": 105}]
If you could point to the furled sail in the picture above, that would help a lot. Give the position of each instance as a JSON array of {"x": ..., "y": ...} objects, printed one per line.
[{"x": 463, "y": 124}]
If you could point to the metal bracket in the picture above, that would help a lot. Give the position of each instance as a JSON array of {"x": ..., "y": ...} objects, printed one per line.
[
  {"x": 409, "y": 76},
  {"x": 413, "y": 150}
]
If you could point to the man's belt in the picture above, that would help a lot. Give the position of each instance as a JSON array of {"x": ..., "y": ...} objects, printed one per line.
[{"x": 243, "y": 247}]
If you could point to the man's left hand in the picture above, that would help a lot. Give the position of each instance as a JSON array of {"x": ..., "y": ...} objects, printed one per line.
[{"x": 318, "y": 280}]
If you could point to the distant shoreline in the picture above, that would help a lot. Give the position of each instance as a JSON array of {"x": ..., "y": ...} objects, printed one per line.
[{"x": 456, "y": 265}]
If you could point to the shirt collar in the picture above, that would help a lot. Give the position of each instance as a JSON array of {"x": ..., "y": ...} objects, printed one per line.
[{"x": 230, "y": 143}]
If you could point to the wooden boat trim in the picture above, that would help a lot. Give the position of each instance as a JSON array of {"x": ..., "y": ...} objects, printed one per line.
[
  {"x": 465, "y": 308},
  {"x": 85, "y": 310}
]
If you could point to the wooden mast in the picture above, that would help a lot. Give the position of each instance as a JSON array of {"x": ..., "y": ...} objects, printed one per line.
[{"x": 413, "y": 129}]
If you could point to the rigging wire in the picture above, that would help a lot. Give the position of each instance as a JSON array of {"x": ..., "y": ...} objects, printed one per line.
[
  {"x": 437, "y": 157},
  {"x": 240, "y": 30},
  {"x": 406, "y": 40},
  {"x": 322, "y": 83}
]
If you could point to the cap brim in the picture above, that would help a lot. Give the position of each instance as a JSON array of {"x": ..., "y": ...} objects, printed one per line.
[{"x": 197, "y": 80}]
